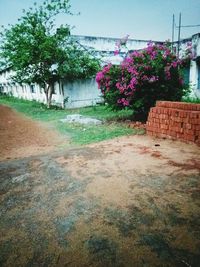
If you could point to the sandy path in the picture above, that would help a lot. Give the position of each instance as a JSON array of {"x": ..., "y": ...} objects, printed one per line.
[{"x": 21, "y": 137}]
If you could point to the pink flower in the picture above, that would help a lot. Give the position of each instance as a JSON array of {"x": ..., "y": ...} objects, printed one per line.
[
  {"x": 99, "y": 78},
  {"x": 174, "y": 64},
  {"x": 128, "y": 60},
  {"x": 145, "y": 78},
  {"x": 132, "y": 70},
  {"x": 149, "y": 49},
  {"x": 124, "y": 102},
  {"x": 153, "y": 55},
  {"x": 107, "y": 68},
  {"x": 121, "y": 87},
  {"x": 189, "y": 44},
  {"x": 167, "y": 52},
  {"x": 118, "y": 85},
  {"x": 153, "y": 79},
  {"x": 150, "y": 44},
  {"x": 133, "y": 82},
  {"x": 116, "y": 52},
  {"x": 135, "y": 53}
]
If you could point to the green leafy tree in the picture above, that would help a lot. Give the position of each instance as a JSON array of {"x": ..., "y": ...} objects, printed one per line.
[{"x": 41, "y": 53}]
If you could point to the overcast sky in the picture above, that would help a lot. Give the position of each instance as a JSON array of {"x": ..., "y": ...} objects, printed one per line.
[{"x": 141, "y": 19}]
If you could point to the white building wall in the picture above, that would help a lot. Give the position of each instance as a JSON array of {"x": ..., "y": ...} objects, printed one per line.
[
  {"x": 195, "y": 91},
  {"x": 195, "y": 67},
  {"x": 26, "y": 91},
  {"x": 84, "y": 93},
  {"x": 108, "y": 44},
  {"x": 81, "y": 93},
  {"x": 104, "y": 47}
]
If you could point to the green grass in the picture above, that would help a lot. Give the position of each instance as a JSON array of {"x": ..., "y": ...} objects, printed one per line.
[
  {"x": 191, "y": 100},
  {"x": 79, "y": 134}
]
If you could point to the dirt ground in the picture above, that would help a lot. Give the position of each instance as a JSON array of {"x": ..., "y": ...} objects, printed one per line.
[
  {"x": 22, "y": 137},
  {"x": 130, "y": 201}
]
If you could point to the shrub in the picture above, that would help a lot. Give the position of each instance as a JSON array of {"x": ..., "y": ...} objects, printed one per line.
[{"x": 143, "y": 77}]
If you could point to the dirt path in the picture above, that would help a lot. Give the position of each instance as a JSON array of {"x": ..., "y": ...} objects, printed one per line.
[
  {"x": 130, "y": 201},
  {"x": 21, "y": 137}
]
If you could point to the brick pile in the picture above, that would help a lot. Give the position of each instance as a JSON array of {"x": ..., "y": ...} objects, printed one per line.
[{"x": 175, "y": 120}]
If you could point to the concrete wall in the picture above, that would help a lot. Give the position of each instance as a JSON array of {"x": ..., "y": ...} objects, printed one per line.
[
  {"x": 26, "y": 91},
  {"x": 195, "y": 68},
  {"x": 108, "y": 44},
  {"x": 104, "y": 47},
  {"x": 194, "y": 64},
  {"x": 81, "y": 93}
]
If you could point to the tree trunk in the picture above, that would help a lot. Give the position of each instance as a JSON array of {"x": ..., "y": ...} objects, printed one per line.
[
  {"x": 62, "y": 93},
  {"x": 48, "y": 92}
]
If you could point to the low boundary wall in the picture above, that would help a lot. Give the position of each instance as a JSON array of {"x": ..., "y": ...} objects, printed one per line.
[{"x": 175, "y": 120}]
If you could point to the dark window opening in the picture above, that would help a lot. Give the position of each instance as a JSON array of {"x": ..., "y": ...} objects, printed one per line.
[
  {"x": 53, "y": 89},
  {"x": 32, "y": 87}
]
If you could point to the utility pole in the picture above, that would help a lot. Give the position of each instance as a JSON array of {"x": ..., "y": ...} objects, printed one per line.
[
  {"x": 173, "y": 24},
  {"x": 179, "y": 31},
  {"x": 179, "y": 35}
]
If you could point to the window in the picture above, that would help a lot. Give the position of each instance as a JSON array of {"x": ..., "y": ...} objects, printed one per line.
[
  {"x": 53, "y": 90},
  {"x": 1, "y": 88},
  {"x": 32, "y": 87},
  {"x": 41, "y": 90}
]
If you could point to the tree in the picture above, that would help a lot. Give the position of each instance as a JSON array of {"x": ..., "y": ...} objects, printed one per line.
[
  {"x": 142, "y": 78},
  {"x": 41, "y": 53}
]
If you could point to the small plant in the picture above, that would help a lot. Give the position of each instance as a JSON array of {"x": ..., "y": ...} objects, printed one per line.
[{"x": 141, "y": 79}]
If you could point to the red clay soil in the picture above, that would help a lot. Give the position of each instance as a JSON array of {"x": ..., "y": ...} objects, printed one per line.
[
  {"x": 129, "y": 201},
  {"x": 20, "y": 136}
]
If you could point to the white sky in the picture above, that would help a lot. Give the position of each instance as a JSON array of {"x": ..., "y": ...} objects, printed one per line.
[{"x": 141, "y": 19}]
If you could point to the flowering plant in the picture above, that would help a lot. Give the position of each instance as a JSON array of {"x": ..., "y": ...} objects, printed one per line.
[
  {"x": 187, "y": 55},
  {"x": 143, "y": 77}
]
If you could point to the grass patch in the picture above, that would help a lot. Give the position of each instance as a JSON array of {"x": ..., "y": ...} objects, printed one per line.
[
  {"x": 191, "y": 100},
  {"x": 79, "y": 134},
  {"x": 86, "y": 134}
]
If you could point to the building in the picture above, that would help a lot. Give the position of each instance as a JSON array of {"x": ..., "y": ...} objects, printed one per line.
[
  {"x": 85, "y": 93},
  {"x": 193, "y": 70}
]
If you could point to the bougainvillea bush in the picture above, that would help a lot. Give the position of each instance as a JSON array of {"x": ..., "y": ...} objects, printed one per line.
[{"x": 143, "y": 77}]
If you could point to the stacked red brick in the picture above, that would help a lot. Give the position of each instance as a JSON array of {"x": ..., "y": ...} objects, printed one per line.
[{"x": 176, "y": 120}]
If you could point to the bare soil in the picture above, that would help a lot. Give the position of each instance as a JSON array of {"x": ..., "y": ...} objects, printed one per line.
[
  {"x": 130, "y": 201},
  {"x": 22, "y": 137}
]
